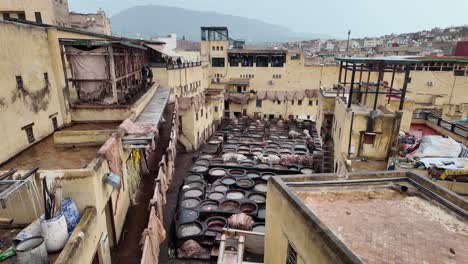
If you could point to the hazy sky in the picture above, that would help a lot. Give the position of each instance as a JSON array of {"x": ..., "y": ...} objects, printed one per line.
[{"x": 332, "y": 17}]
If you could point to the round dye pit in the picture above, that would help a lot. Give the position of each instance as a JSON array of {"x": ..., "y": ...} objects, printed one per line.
[{"x": 188, "y": 230}]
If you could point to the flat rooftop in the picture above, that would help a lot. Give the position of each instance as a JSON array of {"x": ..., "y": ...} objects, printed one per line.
[
  {"x": 393, "y": 220},
  {"x": 47, "y": 156}
]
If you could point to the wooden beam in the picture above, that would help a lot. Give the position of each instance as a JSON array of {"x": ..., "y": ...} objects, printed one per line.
[{"x": 112, "y": 75}]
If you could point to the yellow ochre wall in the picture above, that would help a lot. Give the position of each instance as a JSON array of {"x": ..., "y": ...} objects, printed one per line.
[
  {"x": 31, "y": 51},
  {"x": 87, "y": 189},
  {"x": 446, "y": 89},
  {"x": 25, "y": 51},
  {"x": 52, "y": 12},
  {"x": 285, "y": 223}
]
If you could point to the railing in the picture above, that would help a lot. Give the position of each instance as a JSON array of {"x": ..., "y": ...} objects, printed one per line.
[
  {"x": 172, "y": 66},
  {"x": 457, "y": 129}
]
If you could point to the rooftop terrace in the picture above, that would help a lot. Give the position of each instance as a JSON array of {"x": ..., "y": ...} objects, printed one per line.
[{"x": 383, "y": 217}]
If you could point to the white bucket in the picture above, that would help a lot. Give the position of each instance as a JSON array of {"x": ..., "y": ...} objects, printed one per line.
[
  {"x": 32, "y": 230},
  {"x": 55, "y": 233},
  {"x": 31, "y": 251}
]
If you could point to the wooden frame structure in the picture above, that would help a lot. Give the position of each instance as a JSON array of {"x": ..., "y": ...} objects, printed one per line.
[{"x": 124, "y": 64}]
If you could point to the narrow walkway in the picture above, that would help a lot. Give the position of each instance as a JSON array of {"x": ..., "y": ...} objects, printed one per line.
[{"x": 129, "y": 250}]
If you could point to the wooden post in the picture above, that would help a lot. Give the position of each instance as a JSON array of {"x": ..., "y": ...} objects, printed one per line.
[{"x": 115, "y": 96}]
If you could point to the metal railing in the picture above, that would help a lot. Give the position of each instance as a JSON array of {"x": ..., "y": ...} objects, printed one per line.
[
  {"x": 172, "y": 66},
  {"x": 457, "y": 129}
]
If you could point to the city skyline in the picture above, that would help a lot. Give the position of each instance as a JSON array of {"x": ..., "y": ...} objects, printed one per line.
[{"x": 420, "y": 15}]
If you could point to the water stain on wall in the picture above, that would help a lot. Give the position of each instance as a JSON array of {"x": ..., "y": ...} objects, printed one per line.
[{"x": 36, "y": 101}]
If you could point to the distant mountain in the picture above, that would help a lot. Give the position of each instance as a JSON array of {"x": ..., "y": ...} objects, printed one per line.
[{"x": 152, "y": 20}]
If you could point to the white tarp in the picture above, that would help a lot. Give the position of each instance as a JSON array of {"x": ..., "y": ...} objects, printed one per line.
[
  {"x": 88, "y": 67},
  {"x": 437, "y": 146},
  {"x": 445, "y": 163},
  {"x": 164, "y": 50}
]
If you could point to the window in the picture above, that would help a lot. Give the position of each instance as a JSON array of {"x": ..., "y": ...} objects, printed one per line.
[
  {"x": 292, "y": 102},
  {"x": 213, "y": 48},
  {"x": 217, "y": 47},
  {"x": 239, "y": 89},
  {"x": 206, "y": 115},
  {"x": 38, "y": 17},
  {"x": 291, "y": 257},
  {"x": 201, "y": 112},
  {"x": 276, "y": 76},
  {"x": 217, "y": 62},
  {"x": 29, "y": 132},
  {"x": 19, "y": 82},
  {"x": 222, "y": 48},
  {"x": 299, "y": 102},
  {"x": 279, "y": 102},
  {"x": 459, "y": 73},
  {"x": 244, "y": 112},
  {"x": 369, "y": 138},
  {"x": 310, "y": 102},
  {"x": 259, "y": 103},
  {"x": 339, "y": 133},
  {"x": 216, "y": 109},
  {"x": 316, "y": 102},
  {"x": 296, "y": 57},
  {"x": 244, "y": 88},
  {"x": 21, "y": 16},
  {"x": 196, "y": 116},
  {"x": 46, "y": 78},
  {"x": 6, "y": 16},
  {"x": 54, "y": 123},
  {"x": 308, "y": 117}
]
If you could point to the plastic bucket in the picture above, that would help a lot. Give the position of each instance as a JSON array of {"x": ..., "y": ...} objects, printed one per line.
[
  {"x": 32, "y": 230},
  {"x": 55, "y": 233},
  {"x": 32, "y": 251}
]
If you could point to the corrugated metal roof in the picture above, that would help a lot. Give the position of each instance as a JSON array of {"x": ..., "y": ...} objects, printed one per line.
[
  {"x": 402, "y": 59},
  {"x": 163, "y": 50},
  {"x": 385, "y": 60}
]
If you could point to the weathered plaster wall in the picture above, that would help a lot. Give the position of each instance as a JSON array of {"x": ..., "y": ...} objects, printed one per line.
[
  {"x": 284, "y": 222},
  {"x": 25, "y": 52}
]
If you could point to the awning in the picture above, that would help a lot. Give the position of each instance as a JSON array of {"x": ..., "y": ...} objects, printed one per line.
[
  {"x": 237, "y": 81},
  {"x": 162, "y": 49}
]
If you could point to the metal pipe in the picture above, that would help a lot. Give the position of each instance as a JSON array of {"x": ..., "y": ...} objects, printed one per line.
[
  {"x": 345, "y": 74},
  {"x": 405, "y": 86},
  {"x": 391, "y": 84},
  {"x": 318, "y": 183},
  {"x": 367, "y": 84},
  {"x": 7, "y": 174},
  {"x": 29, "y": 173},
  {"x": 441, "y": 199},
  {"x": 350, "y": 97},
  {"x": 341, "y": 70},
  {"x": 350, "y": 134},
  {"x": 378, "y": 86}
]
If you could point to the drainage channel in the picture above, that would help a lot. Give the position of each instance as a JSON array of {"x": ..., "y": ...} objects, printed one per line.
[{"x": 229, "y": 176}]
